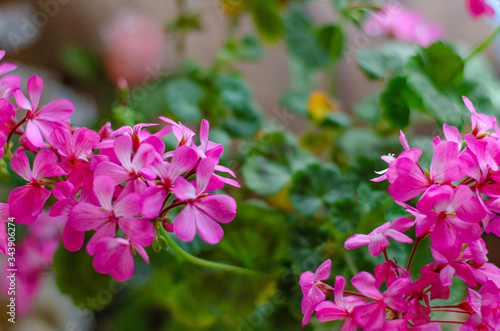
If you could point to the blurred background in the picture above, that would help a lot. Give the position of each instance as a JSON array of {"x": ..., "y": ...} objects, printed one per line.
[{"x": 287, "y": 93}]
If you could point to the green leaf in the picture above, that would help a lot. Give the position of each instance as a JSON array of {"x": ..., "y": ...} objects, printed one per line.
[
  {"x": 182, "y": 96},
  {"x": 244, "y": 122},
  {"x": 331, "y": 37},
  {"x": 186, "y": 22},
  {"x": 295, "y": 102},
  {"x": 441, "y": 64},
  {"x": 388, "y": 60},
  {"x": 82, "y": 64},
  {"x": 316, "y": 186},
  {"x": 264, "y": 176},
  {"x": 267, "y": 18},
  {"x": 234, "y": 91},
  {"x": 368, "y": 109},
  {"x": 301, "y": 39},
  {"x": 336, "y": 120},
  {"x": 394, "y": 102},
  {"x": 250, "y": 49},
  {"x": 76, "y": 277}
]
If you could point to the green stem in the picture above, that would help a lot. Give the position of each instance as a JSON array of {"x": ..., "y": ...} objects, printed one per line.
[
  {"x": 204, "y": 263},
  {"x": 484, "y": 44}
]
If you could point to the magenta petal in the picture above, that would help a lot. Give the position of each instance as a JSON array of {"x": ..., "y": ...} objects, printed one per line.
[
  {"x": 220, "y": 207},
  {"x": 114, "y": 257},
  {"x": 34, "y": 87},
  {"x": 323, "y": 271},
  {"x": 57, "y": 111},
  {"x": 144, "y": 156},
  {"x": 73, "y": 239},
  {"x": 357, "y": 241},
  {"x": 378, "y": 242},
  {"x": 123, "y": 151},
  {"x": 104, "y": 187},
  {"x": 106, "y": 230},
  {"x": 27, "y": 202},
  {"x": 21, "y": 165},
  {"x": 365, "y": 283},
  {"x": 204, "y": 172},
  {"x": 33, "y": 134},
  {"x": 184, "y": 190},
  {"x": 310, "y": 302},
  {"x": 116, "y": 172},
  {"x": 208, "y": 229},
  {"x": 153, "y": 201},
  {"x": 45, "y": 165},
  {"x": 442, "y": 236},
  {"x": 3, "y": 239},
  {"x": 22, "y": 101},
  {"x": 370, "y": 314},
  {"x": 398, "y": 236},
  {"x": 128, "y": 205},
  {"x": 328, "y": 311},
  {"x": 140, "y": 250},
  {"x": 138, "y": 229},
  {"x": 85, "y": 216},
  {"x": 184, "y": 159},
  {"x": 185, "y": 224},
  {"x": 62, "y": 207}
]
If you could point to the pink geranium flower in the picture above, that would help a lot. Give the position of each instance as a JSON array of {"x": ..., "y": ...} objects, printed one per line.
[
  {"x": 403, "y": 24},
  {"x": 312, "y": 294},
  {"x": 42, "y": 121},
  {"x": 377, "y": 240},
  {"x": 3, "y": 140},
  {"x": 477, "y": 8},
  {"x": 4, "y": 219},
  {"x": 203, "y": 212},
  {"x": 371, "y": 315},
  {"x": 105, "y": 219},
  {"x": 342, "y": 308},
  {"x": 114, "y": 256},
  {"x": 26, "y": 202},
  {"x": 453, "y": 214}
]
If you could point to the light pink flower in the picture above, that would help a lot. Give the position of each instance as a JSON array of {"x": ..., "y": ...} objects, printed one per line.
[
  {"x": 312, "y": 294},
  {"x": 203, "y": 212},
  {"x": 403, "y": 24},
  {"x": 26, "y": 202},
  {"x": 105, "y": 219},
  {"x": 377, "y": 240},
  {"x": 133, "y": 48},
  {"x": 42, "y": 121}
]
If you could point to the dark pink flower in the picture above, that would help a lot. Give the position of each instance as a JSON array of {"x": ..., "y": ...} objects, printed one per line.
[
  {"x": 4, "y": 219},
  {"x": 203, "y": 212},
  {"x": 3, "y": 140},
  {"x": 114, "y": 256},
  {"x": 312, "y": 294},
  {"x": 26, "y": 202},
  {"x": 477, "y": 8},
  {"x": 42, "y": 121},
  {"x": 342, "y": 308}
]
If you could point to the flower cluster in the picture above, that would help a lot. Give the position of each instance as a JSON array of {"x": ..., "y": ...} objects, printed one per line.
[
  {"x": 403, "y": 24},
  {"x": 119, "y": 184},
  {"x": 457, "y": 199}
]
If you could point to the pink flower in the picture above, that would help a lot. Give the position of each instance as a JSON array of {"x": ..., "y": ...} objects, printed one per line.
[
  {"x": 132, "y": 166},
  {"x": 342, "y": 308},
  {"x": 450, "y": 264},
  {"x": 183, "y": 134},
  {"x": 42, "y": 121},
  {"x": 477, "y": 8},
  {"x": 105, "y": 219},
  {"x": 312, "y": 294},
  {"x": 66, "y": 193},
  {"x": 4, "y": 219},
  {"x": 26, "y": 202},
  {"x": 134, "y": 45},
  {"x": 452, "y": 214},
  {"x": 377, "y": 240},
  {"x": 482, "y": 304},
  {"x": 7, "y": 117},
  {"x": 203, "y": 211},
  {"x": 481, "y": 123},
  {"x": 403, "y": 24},
  {"x": 371, "y": 316},
  {"x": 3, "y": 140},
  {"x": 76, "y": 150},
  {"x": 114, "y": 256}
]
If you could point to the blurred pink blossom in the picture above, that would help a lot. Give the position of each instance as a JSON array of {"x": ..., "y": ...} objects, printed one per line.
[
  {"x": 403, "y": 24},
  {"x": 133, "y": 47}
]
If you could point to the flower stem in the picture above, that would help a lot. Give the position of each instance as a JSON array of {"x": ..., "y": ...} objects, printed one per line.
[
  {"x": 483, "y": 45},
  {"x": 204, "y": 263},
  {"x": 14, "y": 130},
  {"x": 417, "y": 241}
]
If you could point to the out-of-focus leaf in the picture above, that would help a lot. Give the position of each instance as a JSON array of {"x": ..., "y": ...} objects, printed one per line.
[
  {"x": 267, "y": 18},
  {"x": 388, "y": 60},
  {"x": 331, "y": 37},
  {"x": 76, "y": 277},
  {"x": 234, "y": 91},
  {"x": 315, "y": 186},
  {"x": 186, "y": 22},
  {"x": 244, "y": 122},
  {"x": 264, "y": 176},
  {"x": 368, "y": 109},
  {"x": 295, "y": 102},
  {"x": 81, "y": 64},
  {"x": 182, "y": 96}
]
